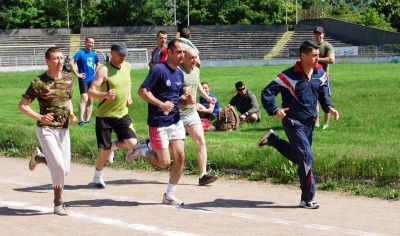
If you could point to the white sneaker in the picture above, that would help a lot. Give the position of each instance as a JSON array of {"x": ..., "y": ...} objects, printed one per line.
[
  {"x": 110, "y": 157},
  {"x": 98, "y": 179},
  {"x": 171, "y": 200},
  {"x": 309, "y": 205},
  {"x": 134, "y": 153},
  {"x": 264, "y": 140},
  {"x": 61, "y": 210},
  {"x": 32, "y": 163}
]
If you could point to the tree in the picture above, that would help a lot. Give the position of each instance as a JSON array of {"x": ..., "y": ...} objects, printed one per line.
[{"x": 17, "y": 13}]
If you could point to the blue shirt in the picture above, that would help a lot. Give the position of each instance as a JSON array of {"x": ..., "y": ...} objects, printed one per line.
[
  {"x": 86, "y": 62},
  {"x": 204, "y": 102},
  {"x": 166, "y": 84},
  {"x": 298, "y": 93}
]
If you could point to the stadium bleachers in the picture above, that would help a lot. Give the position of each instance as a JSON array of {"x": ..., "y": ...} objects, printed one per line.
[
  {"x": 233, "y": 45},
  {"x": 62, "y": 41},
  {"x": 227, "y": 44}
]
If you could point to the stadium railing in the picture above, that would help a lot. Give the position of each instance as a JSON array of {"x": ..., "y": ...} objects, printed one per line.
[{"x": 370, "y": 51}]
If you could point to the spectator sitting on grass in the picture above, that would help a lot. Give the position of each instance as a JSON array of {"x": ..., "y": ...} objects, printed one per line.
[{"x": 206, "y": 109}]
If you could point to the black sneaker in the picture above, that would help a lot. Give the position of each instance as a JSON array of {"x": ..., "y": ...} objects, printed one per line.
[{"x": 207, "y": 179}]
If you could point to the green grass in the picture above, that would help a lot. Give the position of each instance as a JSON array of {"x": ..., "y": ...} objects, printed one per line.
[{"x": 358, "y": 154}]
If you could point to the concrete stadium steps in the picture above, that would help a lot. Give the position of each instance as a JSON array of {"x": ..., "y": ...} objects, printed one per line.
[
  {"x": 104, "y": 41},
  {"x": 75, "y": 44},
  {"x": 234, "y": 44},
  {"x": 279, "y": 45},
  {"x": 62, "y": 41},
  {"x": 299, "y": 37}
]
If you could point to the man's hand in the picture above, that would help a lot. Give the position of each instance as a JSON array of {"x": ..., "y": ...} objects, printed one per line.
[
  {"x": 167, "y": 106},
  {"x": 280, "y": 113},
  {"x": 129, "y": 101},
  {"x": 334, "y": 112},
  {"x": 211, "y": 100},
  {"x": 110, "y": 94},
  {"x": 81, "y": 75},
  {"x": 73, "y": 119},
  {"x": 47, "y": 118}
]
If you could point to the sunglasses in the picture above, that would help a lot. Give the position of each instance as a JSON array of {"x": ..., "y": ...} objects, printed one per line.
[{"x": 240, "y": 89}]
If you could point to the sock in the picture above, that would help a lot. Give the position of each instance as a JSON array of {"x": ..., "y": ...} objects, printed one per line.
[
  {"x": 201, "y": 176},
  {"x": 171, "y": 189},
  {"x": 58, "y": 190},
  {"x": 40, "y": 159},
  {"x": 98, "y": 173},
  {"x": 143, "y": 151},
  {"x": 114, "y": 145}
]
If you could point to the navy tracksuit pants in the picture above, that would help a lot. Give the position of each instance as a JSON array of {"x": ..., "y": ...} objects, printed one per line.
[{"x": 298, "y": 150}]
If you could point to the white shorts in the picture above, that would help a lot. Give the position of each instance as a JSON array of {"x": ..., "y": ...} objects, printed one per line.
[
  {"x": 160, "y": 136},
  {"x": 56, "y": 148},
  {"x": 190, "y": 120}
]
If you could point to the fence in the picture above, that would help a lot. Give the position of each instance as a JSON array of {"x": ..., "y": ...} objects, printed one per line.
[{"x": 369, "y": 51}]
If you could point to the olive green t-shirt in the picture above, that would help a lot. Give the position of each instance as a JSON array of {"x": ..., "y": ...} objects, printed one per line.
[
  {"x": 325, "y": 49},
  {"x": 118, "y": 79},
  {"x": 192, "y": 80}
]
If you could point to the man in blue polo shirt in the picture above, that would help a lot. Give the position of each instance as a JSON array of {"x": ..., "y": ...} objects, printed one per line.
[
  {"x": 87, "y": 62},
  {"x": 163, "y": 89}
]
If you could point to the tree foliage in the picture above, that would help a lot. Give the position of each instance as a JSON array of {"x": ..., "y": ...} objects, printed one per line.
[{"x": 384, "y": 14}]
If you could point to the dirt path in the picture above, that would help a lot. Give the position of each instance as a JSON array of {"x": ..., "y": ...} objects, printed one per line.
[{"x": 130, "y": 205}]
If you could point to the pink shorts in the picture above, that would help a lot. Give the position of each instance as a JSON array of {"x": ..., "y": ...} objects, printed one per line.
[{"x": 160, "y": 136}]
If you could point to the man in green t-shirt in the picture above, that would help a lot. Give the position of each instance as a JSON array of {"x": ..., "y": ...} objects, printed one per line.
[
  {"x": 326, "y": 57},
  {"x": 190, "y": 117}
]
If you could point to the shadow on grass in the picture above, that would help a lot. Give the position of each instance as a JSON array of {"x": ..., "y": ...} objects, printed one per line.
[{"x": 233, "y": 203}]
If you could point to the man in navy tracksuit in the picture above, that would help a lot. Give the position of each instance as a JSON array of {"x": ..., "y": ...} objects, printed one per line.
[{"x": 301, "y": 86}]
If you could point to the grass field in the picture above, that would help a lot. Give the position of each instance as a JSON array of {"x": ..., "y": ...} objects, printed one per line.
[{"x": 358, "y": 154}]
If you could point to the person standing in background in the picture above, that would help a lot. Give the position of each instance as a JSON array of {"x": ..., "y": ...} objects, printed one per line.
[
  {"x": 326, "y": 57},
  {"x": 160, "y": 53},
  {"x": 87, "y": 62}
]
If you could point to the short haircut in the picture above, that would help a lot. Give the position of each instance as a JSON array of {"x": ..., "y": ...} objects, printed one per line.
[
  {"x": 89, "y": 37},
  {"x": 161, "y": 32},
  {"x": 205, "y": 83},
  {"x": 307, "y": 46},
  {"x": 50, "y": 51},
  {"x": 185, "y": 33},
  {"x": 171, "y": 44},
  {"x": 239, "y": 84}
]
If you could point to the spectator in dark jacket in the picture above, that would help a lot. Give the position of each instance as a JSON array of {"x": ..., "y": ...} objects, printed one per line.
[{"x": 246, "y": 103}]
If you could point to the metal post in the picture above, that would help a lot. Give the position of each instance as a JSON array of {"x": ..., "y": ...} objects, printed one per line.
[
  {"x": 175, "y": 12},
  {"x": 296, "y": 13},
  {"x": 67, "y": 15},
  {"x": 81, "y": 16},
  {"x": 286, "y": 12},
  {"x": 188, "y": 12}
]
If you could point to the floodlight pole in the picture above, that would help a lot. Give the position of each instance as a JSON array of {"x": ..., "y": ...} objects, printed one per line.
[
  {"x": 188, "y": 12},
  {"x": 67, "y": 15},
  {"x": 286, "y": 12},
  {"x": 175, "y": 12},
  {"x": 81, "y": 16},
  {"x": 296, "y": 13}
]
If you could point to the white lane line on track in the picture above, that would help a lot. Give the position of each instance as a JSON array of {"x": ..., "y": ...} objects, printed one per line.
[
  {"x": 206, "y": 210},
  {"x": 100, "y": 220}
]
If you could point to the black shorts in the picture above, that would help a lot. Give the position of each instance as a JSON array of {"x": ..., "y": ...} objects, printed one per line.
[
  {"x": 84, "y": 86},
  {"x": 123, "y": 127}
]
